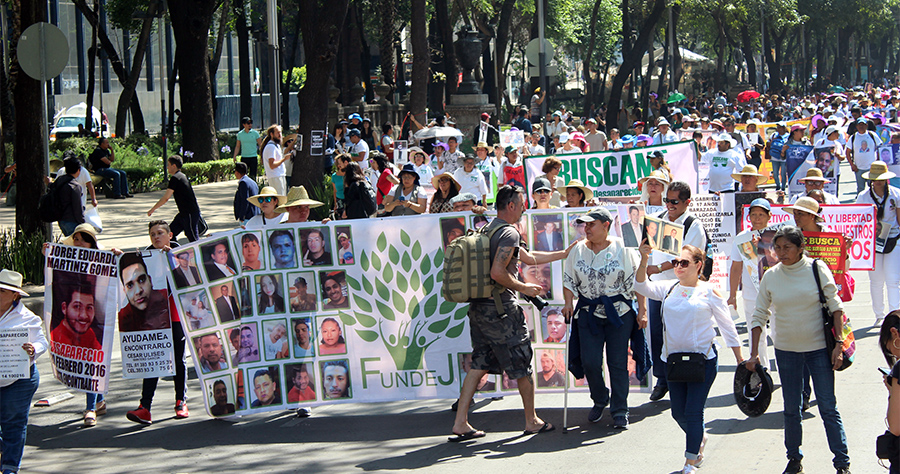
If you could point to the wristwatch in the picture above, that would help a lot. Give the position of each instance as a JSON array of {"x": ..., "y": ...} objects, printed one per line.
[{"x": 659, "y": 268}]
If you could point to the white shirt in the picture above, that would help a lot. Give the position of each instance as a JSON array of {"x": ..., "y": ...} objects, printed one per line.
[
  {"x": 272, "y": 348},
  {"x": 472, "y": 182},
  {"x": 425, "y": 173},
  {"x": 20, "y": 317},
  {"x": 225, "y": 269},
  {"x": 563, "y": 151},
  {"x": 361, "y": 148},
  {"x": 829, "y": 198},
  {"x": 608, "y": 272},
  {"x": 273, "y": 150},
  {"x": 864, "y": 145},
  {"x": 690, "y": 315},
  {"x": 259, "y": 221},
  {"x": 721, "y": 166},
  {"x": 660, "y": 138},
  {"x": 890, "y": 207},
  {"x": 535, "y": 150}
]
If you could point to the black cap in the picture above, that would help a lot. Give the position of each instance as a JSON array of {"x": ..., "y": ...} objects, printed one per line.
[{"x": 246, "y": 120}]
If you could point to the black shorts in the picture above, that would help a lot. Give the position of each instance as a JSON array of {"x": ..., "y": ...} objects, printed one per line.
[{"x": 500, "y": 344}]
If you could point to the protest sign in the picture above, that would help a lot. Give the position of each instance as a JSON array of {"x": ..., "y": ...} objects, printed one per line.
[
  {"x": 757, "y": 251},
  {"x": 830, "y": 248},
  {"x": 513, "y": 138},
  {"x": 317, "y": 143},
  {"x": 716, "y": 213},
  {"x": 630, "y": 224},
  {"x": 80, "y": 311},
  {"x": 889, "y": 153},
  {"x": 14, "y": 361},
  {"x": 401, "y": 152},
  {"x": 855, "y": 221},
  {"x": 796, "y": 162},
  {"x": 145, "y": 330}
]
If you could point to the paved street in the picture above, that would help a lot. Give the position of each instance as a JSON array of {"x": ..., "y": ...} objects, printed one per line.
[{"x": 412, "y": 435}]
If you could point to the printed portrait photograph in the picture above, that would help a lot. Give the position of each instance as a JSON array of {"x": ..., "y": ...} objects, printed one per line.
[
  {"x": 282, "y": 249},
  {"x": 184, "y": 269},
  {"x": 248, "y": 350},
  {"x": 220, "y": 395},
  {"x": 522, "y": 229},
  {"x": 269, "y": 294},
  {"x": 653, "y": 231},
  {"x": 631, "y": 222},
  {"x": 302, "y": 292},
  {"x": 508, "y": 383},
  {"x": 266, "y": 386},
  {"x": 315, "y": 247},
  {"x": 575, "y": 231},
  {"x": 331, "y": 336},
  {"x": 251, "y": 246},
  {"x": 486, "y": 384},
  {"x": 275, "y": 339},
  {"x": 547, "y": 235},
  {"x": 335, "y": 293},
  {"x": 245, "y": 300},
  {"x": 304, "y": 335},
  {"x": 551, "y": 365},
  {"x": 210, "y": 352},
  {"x": 452, "y": 228},
  {"x": 146, "y": 293},
  {"x": 479, "y": 221},
  {"x": 78, "y": 314},
  {"x": 217, "y": 260},
  {"x": 540, "y": 274},
  {"x": 344, "y": 250},
  {"x": 553, "y": 324},
  {"x": 672, "y": 236},
  {"x": 825, "y": 161},
  {"x": 302, "y": 382},
  {"x": 197, "y": 310},
  {"x": 335, "y": 379},
  {"x": 228, "y": 307},
  {"x": 233, "y": 334}
]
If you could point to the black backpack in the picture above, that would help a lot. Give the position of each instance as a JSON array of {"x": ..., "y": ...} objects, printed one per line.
[
  {"x": 369, "y": 203},
  {"x": 708, "y": 263},
  {"x": 49, "y": 208}
]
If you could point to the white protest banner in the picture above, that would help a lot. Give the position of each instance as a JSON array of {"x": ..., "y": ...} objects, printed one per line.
[
  {"x": 616, "y": 173},
  {"x": 80, "y": 310},
  {"x": 348, "y": 312},
  {"x": 145, "y": 329},
  {"x": 513, "y": 138},
  {"x": 716, "y": 213},
  {"x": 14, "y": 361},
  {"x": 855, "y": 221}
]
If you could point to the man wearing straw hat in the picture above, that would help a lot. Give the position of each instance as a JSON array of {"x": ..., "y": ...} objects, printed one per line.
[
  {"x": 268, "y": 200},
  {"x": 814, "y": 180},
  {"x": 750, "y": 179},
  {"x": 297, "y": 205}
]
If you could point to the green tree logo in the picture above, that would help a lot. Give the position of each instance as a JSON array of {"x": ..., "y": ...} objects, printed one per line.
[{"x": 402, "y": 284}]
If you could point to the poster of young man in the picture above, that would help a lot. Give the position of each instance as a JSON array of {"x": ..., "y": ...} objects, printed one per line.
[
  {"x": 80, "y": 311},
  {"x": 145, "y": 329}
]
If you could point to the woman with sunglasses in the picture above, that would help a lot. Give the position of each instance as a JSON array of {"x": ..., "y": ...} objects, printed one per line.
[
  {"x": 445, "y": 189},
  {"x": 692, "y": 309},
  {"x": 267, "y": 201}
]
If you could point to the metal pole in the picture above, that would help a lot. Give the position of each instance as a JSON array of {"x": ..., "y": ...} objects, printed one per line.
[
  {"x": 45, "y": 132},
  {"x": 274, "y": 73},
  {"x": 542, "y": 71},
  {"x": 671, "y": 51},
  {"x": 162, "y": 89}
]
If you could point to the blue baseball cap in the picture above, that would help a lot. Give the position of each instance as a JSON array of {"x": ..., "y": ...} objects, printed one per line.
[
  {"x": 354, "y": 116},
  {"x": 763, "y": 203}
]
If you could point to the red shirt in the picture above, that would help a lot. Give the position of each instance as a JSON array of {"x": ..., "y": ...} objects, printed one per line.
[
  {"x": 64, "y": 335},
  {"x": 296, "y": 395},
  {"x": 384, "y": 186}
]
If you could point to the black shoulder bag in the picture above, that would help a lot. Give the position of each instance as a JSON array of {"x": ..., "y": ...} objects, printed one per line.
[{"x": 686, "y": 367}]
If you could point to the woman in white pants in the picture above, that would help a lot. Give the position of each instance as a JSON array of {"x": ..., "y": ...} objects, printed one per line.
[{"x": 886, "y": 198}]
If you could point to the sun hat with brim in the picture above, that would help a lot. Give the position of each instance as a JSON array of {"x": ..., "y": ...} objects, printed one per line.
[
  {"x": 12, "y": 281},
  {"x": 750, "y": 170},
  {"x": 297, "y": 196},
  {"x": 85, "y": 228},
  {"x": 717, "y": 122},
  {"x": 878, "y": 171},
  {"x": 414, "y": 149},
  {"x": 753, "y": 121},
  {"x": 576, "y": 183},
  {"x": 831, "y": 129},
  {"x": 627, "y": 139},
  {"x": 408, "y": 169},
  {"x": 290, "y": 138},
  {"x": 462, "y": 159},
  {"x": 563, "y": 137},
  {"x": 435, "y": 181},
  {"x": 805, "y": 204},
  {"x": 662, "y": 122},
  {"x": 482, "y": 145},
  {"x": 644, "y": 138},
  {"x": 796, "y": 127},
  {"x": 657, "y": 175},
  {"x": 596, "y": 214},
  {"x": 752, "y": 390},
  {"x": 443, "y": 145},
  {"x": 814, "y": 174},
  {"x": 267, "y": 191}
]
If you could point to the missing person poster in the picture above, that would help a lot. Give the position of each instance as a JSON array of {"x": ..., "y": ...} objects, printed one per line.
[
  {"x": 145, "y": 330},
  {"x": 716, "y": 213},
  {"x": 14, "y": 361},
  {"x": 757, "y": 249},
  {"x": 80, "y": 309}
]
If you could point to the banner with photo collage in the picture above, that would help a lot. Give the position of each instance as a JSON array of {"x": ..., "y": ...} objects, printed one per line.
[{"x": 351, "y": 311}]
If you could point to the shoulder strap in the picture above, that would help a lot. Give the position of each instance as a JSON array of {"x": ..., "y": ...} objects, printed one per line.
[
  {"x": 687, "y": 224},
  {"x": 815, "y": 269},
  {"x": 662, "y": 305}
]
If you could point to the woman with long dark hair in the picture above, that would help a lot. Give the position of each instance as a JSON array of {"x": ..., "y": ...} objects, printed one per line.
[
  {"x": 356, "y": 191},
  {"x": 445, "y": 189}
]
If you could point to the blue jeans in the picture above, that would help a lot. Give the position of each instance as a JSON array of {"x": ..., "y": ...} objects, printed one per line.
[
  {"x": 91, "y": 400},
  {"x": 688, "y": 402},
  {"x": 67, "y": 227},
  {"x": 119, "y": 180},
  {"x": 790, "y": 370},
  {"x": 15, "y": 404},
  {"x": 779, "y": 172},
  {"x": 860, "y": 181},
  {"x": 616, "y": 342},
  {"x": 656, "y": 341}
]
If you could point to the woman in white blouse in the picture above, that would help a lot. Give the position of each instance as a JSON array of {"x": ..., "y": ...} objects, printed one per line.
[{"x": 691, "y": 311}]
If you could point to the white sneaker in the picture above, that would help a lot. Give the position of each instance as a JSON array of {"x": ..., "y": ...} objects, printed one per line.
[
  {"x": 879, "y": 321},
  {"x": 688, "y": 469}
]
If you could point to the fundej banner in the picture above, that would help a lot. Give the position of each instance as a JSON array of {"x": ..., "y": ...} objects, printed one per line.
[{"x": 309, "y": 314}]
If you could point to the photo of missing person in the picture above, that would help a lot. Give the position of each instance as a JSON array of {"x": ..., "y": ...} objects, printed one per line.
[
  {"x": 345, "y": 245},
  {"x": 541, "y": 274},
  {"x": 302, "y": 292},
  {"x": 227, "y": 306},
  {"x": 335, "y": 379},
  {"x": 234, "y": 341},
  {"x": 672, "y": 236},
  {"x": 304, "y": 335},
  {"x": 300, "y": 378},
  {"x": 282, "y": 251},
  {"x": 315, "y": 247},
  {"x": 653, "y": 231},
  {"x": 266, "y": 387},
  {"x": 249, "y": 345},
  {"x": 486, "y": 384},
  {"x": 210, "y": 352},
  {"x": 479, "y": 221},
  {"x": 632, "y": 224},
  {"x": 575, "y": 230},
  {"x": 250, "y": 245},
  {"x": 198, "y": 310},
  {"x": 548, "y": 232},
  {"x": 551, "y": 363},
  {"x": 217, "y": 261},
  {"x": 148, "y": 303},
  {"x": 553, "y": 325},
  {"x": 184, "y": 271},
  {"x": 508, "y": 383},
  {"x": 825, "y": 160},
  {"x": 452, "y": 228},
  {"x": 522, "y": 228},
  {"x": 766, "y": 251},
  {"x": 220, "y": 394},
  {"x": 245, "y": 300},
  {"x": 240, "y": 395},
  {"x": 269, "y": 293},
  {"x": 331, "y": 337},
  {"x": 275, "y": 339},
  {"x": 335, "y": 294},
  {"x": 74, "y": 317}
]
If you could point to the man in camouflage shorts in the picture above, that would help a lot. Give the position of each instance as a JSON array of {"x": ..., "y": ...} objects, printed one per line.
[{"x": 500, "y": 342}]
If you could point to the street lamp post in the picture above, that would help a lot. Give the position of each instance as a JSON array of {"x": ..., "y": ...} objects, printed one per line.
[{"x": 274, "y": 74}]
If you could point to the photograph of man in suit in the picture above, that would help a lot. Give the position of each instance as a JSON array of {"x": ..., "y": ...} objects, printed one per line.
[
  {"x": 632, "y": 230},
  {"x": 671, "y": 242},
  {"x": 185, "y": 274},
  {"x": 219, "y": 264},
  {"x": 226, "y": 305},
  {"x": 550, "y": 240}
]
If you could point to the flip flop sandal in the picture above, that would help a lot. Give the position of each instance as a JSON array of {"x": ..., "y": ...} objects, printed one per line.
[
  {"x": 456, "y": 438},
  {"x": 544, "y": 429}
]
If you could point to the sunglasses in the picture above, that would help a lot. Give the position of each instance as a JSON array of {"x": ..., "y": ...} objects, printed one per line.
[
  {"x": 266, "y": 199},
  {"x": 673, "y": 202},
  {"x": 681, "y": 263}
]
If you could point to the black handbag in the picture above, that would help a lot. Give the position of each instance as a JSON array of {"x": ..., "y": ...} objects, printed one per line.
[
  {"x": 887, "y": 446},
  {"x": 687, "y": 367}
]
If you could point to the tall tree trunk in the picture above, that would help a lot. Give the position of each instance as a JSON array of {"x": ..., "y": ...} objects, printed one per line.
[
  {"x": 747, "y": 49},
  {"x": 445, "y": 31},
  {"x": 503, "y": 25},
  {"x": 216, "y": 57},
  {"x": 589, "y": 57},
  {"x": 676, "y": 67},
  {"x": 92, "y": 60},
  {"x": 419, "y": 40},
  {"x": 243, "y": 35},
  {"x": 721, "y": 43},
  {"x": 665, "y": 71},
  {"x": 191, "y": 21},
  {"x": 436, "y": 87},
  {"x": 647, "y": 81},
  {"x": 135, "y": 74},
  {"x": 387, "y": 29}
]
